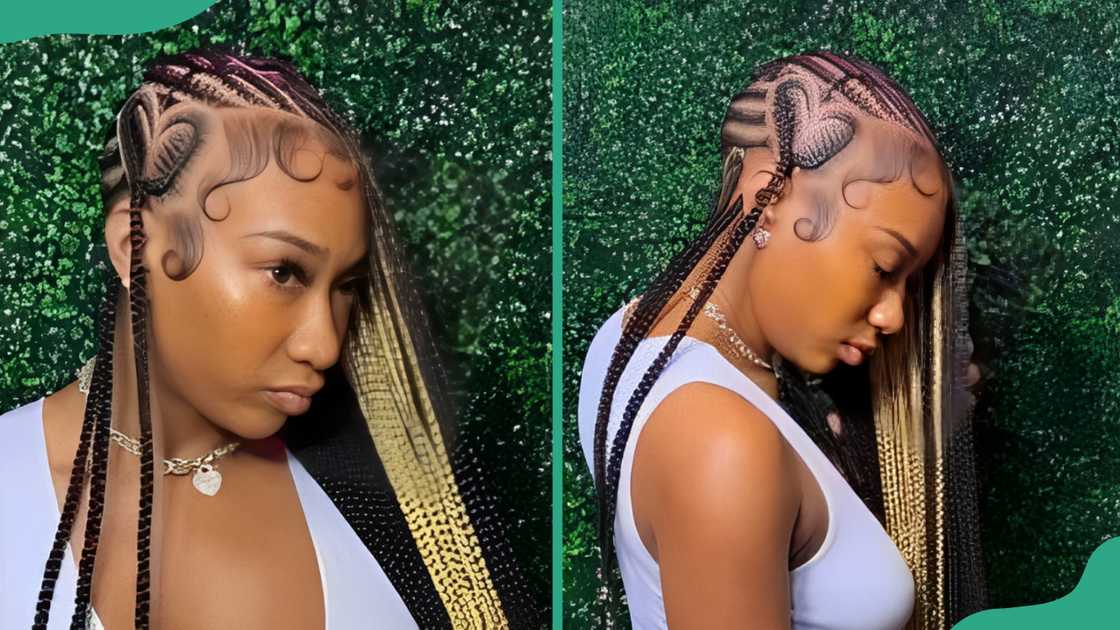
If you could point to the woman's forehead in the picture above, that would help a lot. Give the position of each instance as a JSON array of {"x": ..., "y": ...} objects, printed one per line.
[
  {"x": 261, "y": 170},
  {"x": 318, "y": 210},
  {"x": 900, "y": 210},
  {"x": 884, "y": 152},
  {"x": 892, "y": 178}
]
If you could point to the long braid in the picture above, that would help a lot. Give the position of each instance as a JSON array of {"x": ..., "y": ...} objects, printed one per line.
[
  {"x": 99, "y": 403},
  {"x": 654, "y": 299},
  {"x": 96, "y": 412},
  {"x": 138, "y": 307},
  {"x": 65, "y": 526},
  {"x": 642, "y": 320},
  {"x": 738, "y": 235},
  {"x": 650, "y": 305}
]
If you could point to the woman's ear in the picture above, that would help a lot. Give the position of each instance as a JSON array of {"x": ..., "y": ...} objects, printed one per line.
[
  {"x": 117, "y": 237},
  {"x": 755, "y": 177},
  {"x": 771, "y": 211}
]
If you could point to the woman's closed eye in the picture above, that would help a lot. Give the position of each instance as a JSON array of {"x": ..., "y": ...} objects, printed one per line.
[
  {"x": 883, "y": 272},
  {"x": 351, "y": 286}
]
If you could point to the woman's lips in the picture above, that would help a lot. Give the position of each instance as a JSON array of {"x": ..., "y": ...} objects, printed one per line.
[
  {"x": 849, "y": 354},
  {"x": 287, "y": 402}
]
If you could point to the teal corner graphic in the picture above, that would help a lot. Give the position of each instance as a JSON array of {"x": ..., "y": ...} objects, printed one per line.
[
  {"x": 1093, "y": 603},
  {"x": 24, "y": 20}
]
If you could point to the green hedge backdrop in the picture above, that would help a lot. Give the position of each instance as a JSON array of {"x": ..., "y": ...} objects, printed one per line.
[
  {"x": 453, "y": 99},
  {"x": 1025, "y": 97}
]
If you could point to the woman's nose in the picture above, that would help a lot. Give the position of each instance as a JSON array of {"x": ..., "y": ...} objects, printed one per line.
[
  {"x": 316, "y": 340},
  {"x": 886, "y": 314}
]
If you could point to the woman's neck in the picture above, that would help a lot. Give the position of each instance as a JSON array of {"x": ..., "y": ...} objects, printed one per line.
[{"x": 706, "y": 330}]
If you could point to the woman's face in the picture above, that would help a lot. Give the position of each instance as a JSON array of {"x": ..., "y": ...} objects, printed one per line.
[
  {"x": 268, "y": 306},
  {"x": 820, "y": 302}
]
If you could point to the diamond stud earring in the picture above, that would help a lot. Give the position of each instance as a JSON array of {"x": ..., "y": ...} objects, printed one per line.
[{"x": 761, "y": 237}]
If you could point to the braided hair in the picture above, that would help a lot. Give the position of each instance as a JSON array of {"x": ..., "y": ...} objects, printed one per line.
[
  {"x": 421, "y": 514},
  {"x": 804, "y": 110}
]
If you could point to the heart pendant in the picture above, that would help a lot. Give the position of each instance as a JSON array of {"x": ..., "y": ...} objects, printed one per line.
[{"x": 207, "y": 480}]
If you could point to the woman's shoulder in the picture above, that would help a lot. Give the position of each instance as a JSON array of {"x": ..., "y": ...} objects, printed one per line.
[
  {"x": 706, "y": 447},
  {"x": 717, "y": 503}
]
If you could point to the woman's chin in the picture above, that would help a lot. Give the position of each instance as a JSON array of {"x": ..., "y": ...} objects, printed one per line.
[
  {"x": 815, "y": 365},
  {"x": 258, "y": 433},
  {"x": 265, "y": 424}
]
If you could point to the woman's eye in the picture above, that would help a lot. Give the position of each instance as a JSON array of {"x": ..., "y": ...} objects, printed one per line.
[
  {"x": 281, "y": 274},
  {"x": 349, "y": 288},
  {"x": 883, "y": 273}
]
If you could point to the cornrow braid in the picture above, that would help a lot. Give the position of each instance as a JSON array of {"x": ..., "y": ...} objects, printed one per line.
[
  {"x": 138, "y": 309},
  {"x": 643, "y": 318}
]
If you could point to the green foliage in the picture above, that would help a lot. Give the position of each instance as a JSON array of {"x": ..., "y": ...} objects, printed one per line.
[
  {"x": 1025, "y": 99},
  {"x": 453, "y": 101}
]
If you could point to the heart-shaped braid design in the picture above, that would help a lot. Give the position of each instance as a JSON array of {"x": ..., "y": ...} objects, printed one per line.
[
  {"x": 821, "y": 130},
  {"x": 159, "y": 135}
]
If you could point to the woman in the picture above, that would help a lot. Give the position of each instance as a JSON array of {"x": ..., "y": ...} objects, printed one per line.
[
  {"x": 731, "y": 487},
  {"x": 267, "y": 346}
]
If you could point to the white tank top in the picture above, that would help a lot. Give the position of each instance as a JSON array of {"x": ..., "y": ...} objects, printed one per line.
[
  {"x": 355, "y": 589},
  {"x": 857, "y": 580}
]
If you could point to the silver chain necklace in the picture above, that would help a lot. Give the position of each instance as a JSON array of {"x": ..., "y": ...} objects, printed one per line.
[
  {"x": 206, "y": 479},
  {"x": 711, "y": 311}
]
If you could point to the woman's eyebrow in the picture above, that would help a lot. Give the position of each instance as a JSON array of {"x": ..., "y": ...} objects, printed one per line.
[
  {"x": 288, "y": 237},
  {"x": 359, "y": 268},
  {"x": 901, "y": 239}
]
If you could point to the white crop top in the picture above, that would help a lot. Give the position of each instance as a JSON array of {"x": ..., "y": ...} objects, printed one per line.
[
  {"x": 857, "y": 580},
  {"x": 356, "y": 591}
]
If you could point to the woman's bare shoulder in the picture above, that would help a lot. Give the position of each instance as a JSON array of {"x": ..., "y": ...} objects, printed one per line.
[{"x": 706, "y": 450}]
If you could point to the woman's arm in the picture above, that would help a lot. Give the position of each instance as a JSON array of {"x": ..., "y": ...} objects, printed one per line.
[{"x": 715, "y": 499}]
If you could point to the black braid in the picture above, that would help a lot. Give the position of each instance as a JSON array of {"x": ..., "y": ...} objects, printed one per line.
[
  {"x": 100, "y": 398},
  {"x": 650, "y": 305},
  {"x": 65, "y": 525},
  {"x": 652, "y": 302},
  {"x": 99, "y": 404},
  {"x": 138, "y": 306},
  {"x": 62, "y": 534},
  {"x": 642, "y": 320}
]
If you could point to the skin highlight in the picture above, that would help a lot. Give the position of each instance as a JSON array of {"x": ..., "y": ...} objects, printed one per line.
[{"x": 259, "y": 312}]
